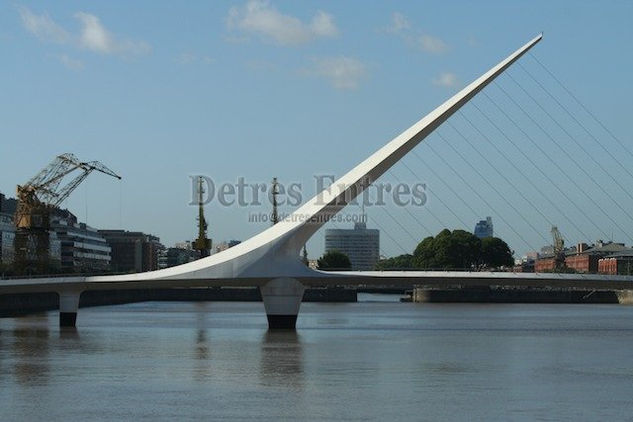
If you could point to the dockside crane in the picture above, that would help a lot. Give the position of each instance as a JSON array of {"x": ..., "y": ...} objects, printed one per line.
[
  {"x": 558, "y": 249},
  {"x": 37, "y": 198},
  {"x": 202, "y": 244},
  {"x": 274, "y": 217}
]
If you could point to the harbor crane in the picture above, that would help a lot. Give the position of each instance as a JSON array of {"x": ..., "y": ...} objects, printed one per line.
[
  {"x": 202, "y": 244},
  {"x": 558, "y": 249},
  {"x": 37, "y": 198}
]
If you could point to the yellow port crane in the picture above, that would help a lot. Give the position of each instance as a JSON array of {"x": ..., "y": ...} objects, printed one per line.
[
  {"x": 37, "y": 198},
  {"x": 558, "y": 249},
  {"x": 202, "y": 244}
]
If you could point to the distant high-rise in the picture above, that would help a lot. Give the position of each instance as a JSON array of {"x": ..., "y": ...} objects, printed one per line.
[
  {"x": 132, "y": 251},
  {"x": 484, "y": 228},
  {"x": 177, "y": 256},
  {"x": 361, "y": 245}
]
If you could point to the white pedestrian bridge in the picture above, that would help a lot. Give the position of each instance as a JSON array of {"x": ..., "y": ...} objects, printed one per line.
[{"x": 271, "y": 261}]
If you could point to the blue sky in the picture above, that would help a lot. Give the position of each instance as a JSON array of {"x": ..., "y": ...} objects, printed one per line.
[{"x": 159, "y": 91}]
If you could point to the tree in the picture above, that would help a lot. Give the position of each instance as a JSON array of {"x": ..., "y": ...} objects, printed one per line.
[
  {"x": 465, "y": 249},
  {"x": 424, "y": 254},
  {"x": 457, "y": 249},
  {"x": 401, "y": 262},
  {"x": 495, "y": 253},
  {"x": 448, "y": 250},
  {"x": 334, "y": 260},
  {"x": 6, "y": 270}
]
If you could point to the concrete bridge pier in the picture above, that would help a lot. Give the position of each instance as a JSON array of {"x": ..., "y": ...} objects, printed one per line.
[
  {"x": 282, "y": 299},
  {"x": 68, "y": 306}
]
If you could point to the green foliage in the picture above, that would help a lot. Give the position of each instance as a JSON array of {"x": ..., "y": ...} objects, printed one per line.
[
  {"x": 401, "y": 262},
  {"x": 495, "y": 253},
  {"x": 6, "y": 270},
  {"x": 424, "y": 255},
  {"x": 448, "y": 250},
  {"x": 460, "y": 249},
  {"x": 334, "y": 260}
]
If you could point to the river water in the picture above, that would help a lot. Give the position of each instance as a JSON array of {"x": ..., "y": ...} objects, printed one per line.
[{"x": 370, "y": 360}]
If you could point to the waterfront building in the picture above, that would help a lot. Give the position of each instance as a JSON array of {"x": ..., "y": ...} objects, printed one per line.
[
  {"x": 8, "y": 205},
  {"x": 484, "y": 228},
  {"x": 177, "y": 256},
  {"x": 222, "y": 246},
  {"x": 619, "y": 263},
  {"x": 7, "y": 231},
  {"x": 187, "y": 244},
  {"x": 162, "y": 258},
  {"x": 7, "y": 235},
  {"x": 80, "y": 248},
  {"x": 360, "y": 244},
  {"x": 132, "y": 251},
  {"x": 583, "y": 258}
]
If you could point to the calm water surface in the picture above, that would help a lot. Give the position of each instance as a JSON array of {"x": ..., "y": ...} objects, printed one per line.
[{"x": 371, "y": 360}]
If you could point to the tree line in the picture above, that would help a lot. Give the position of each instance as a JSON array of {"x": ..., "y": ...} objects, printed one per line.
[{"x": 448, "y": 250}]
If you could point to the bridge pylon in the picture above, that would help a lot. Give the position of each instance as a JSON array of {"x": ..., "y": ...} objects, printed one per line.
[
  {"x": 68, "y": 307},
  {"x": 282, "y": 300}
]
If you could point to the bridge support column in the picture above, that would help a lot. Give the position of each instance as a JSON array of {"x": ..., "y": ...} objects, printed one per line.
[
  {"x": 282, "y": 299},
  {"x": 68, "y": 306}
]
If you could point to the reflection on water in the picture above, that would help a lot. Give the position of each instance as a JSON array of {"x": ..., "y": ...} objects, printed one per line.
[
  {"x": 202, "y": 348},
  {"x": 202, "y": 366},
  {"x": 356, "y": 361},
  {"x": 281, "y": 359},
  {"x": 69, "y": 334},
  {"x": 30, "y": 350}
]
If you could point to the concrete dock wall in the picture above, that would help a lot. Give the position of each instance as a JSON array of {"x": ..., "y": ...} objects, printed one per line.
[
  {"x": 24, "y": 303},
  {"x": 519, "y": 295}
]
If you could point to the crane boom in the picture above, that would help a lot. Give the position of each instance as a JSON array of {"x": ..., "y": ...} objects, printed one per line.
[
  {"x": 38, "y": 197},
  {"x": 558, "y": 249},
  {"x": 45, "y": 185}
]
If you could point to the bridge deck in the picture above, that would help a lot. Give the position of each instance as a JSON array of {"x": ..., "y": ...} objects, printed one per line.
[{"x": 335, "y": 278}]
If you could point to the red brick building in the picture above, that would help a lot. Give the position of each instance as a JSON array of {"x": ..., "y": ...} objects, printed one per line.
[
  {"x": 608, "y": 266},
  {"x": 583, "y": 262},
  {"x": 584, "y": 259},
  {"x": 544, "y": 265},
  {"x": 620, "y": 263}
]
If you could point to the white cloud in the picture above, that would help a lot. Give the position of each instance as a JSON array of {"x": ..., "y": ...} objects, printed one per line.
[
  {"x": 446, "y": 79},
  {"x": 399, "y": 23},
  {"x": 401, "y": 27},
  {"x": 43, "y": 27},
  {"x": 70, "y": 63},
  {"x": 431, "y": 44},
  {"x": 323, "y": 25},
  {"x": 260, "y": 18},
  {"x": 93, "y": 35},
  {"x": 342, "y": 72}
]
